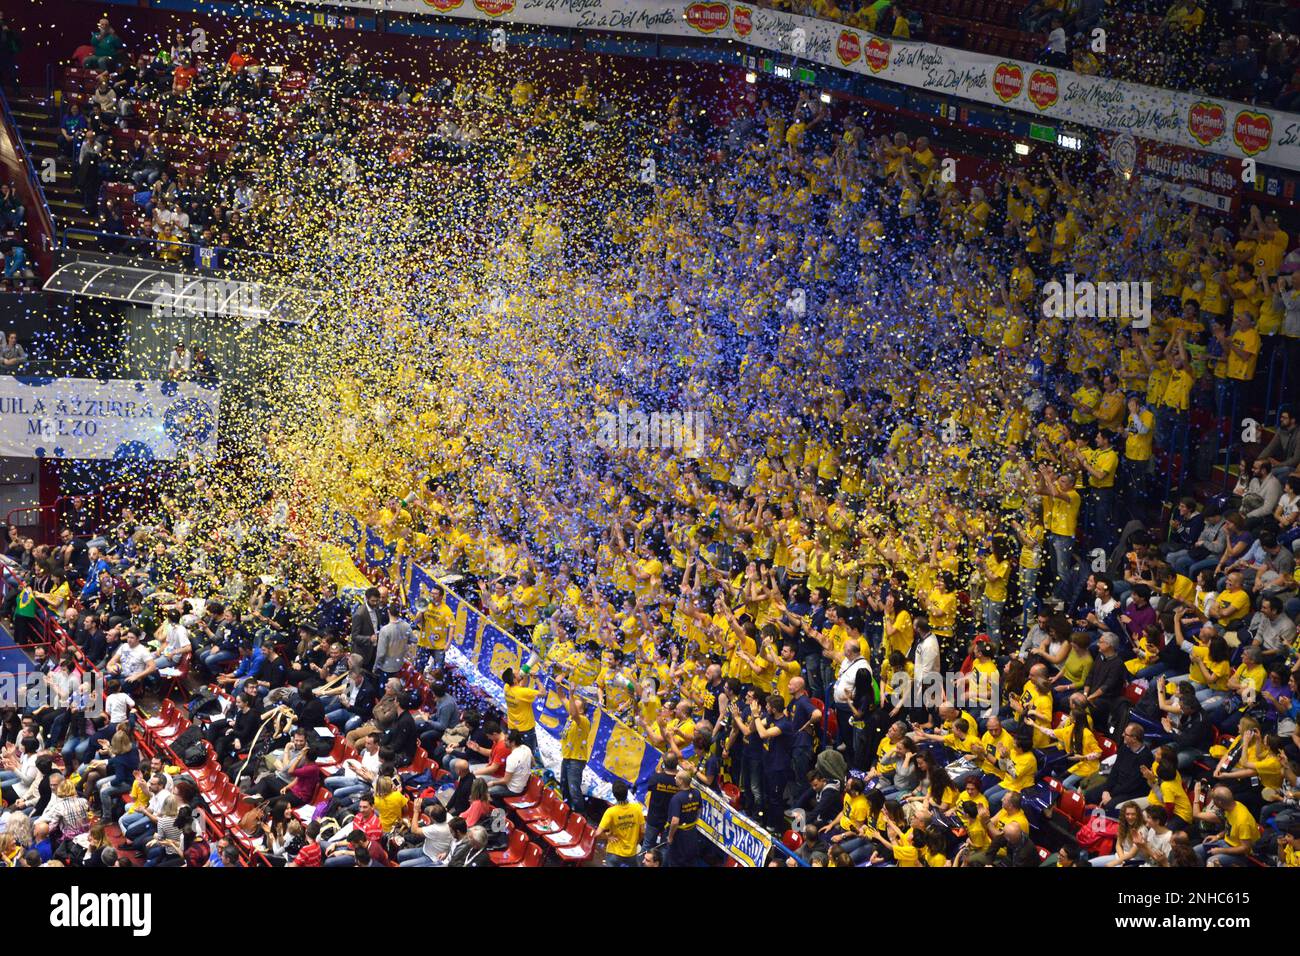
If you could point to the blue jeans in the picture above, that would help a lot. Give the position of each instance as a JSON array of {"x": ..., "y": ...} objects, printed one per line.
[
  {"x": 571, "y": 784},
  {"x": 211, "y": 660},
  {"x": 1202, "y": 850},
  {"x": 1062, "y": 558},
  {"x": 992, "y": 613},
  {"x": 414, "y": 856},
  {"x": 1028, "y": 589}
]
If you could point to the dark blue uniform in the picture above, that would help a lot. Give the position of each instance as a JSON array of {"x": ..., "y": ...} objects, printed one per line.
[{"x": 685, "y": 848}]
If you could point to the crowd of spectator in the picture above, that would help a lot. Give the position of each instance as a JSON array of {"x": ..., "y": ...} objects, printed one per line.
[{"x": 914, "y": 604}]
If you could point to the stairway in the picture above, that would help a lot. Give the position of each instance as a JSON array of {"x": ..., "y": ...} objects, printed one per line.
[{"x": 37, "y": 121}]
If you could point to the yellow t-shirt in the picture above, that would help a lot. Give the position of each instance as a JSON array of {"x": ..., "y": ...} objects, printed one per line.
[
  {"x": 519, "y": 707},
  {"x": 1138, "y": 447},
  {"x": 574, "y": 742},
  {"x": 390, "y": 807},
  {"x": 996, "y": 574},
  {"x": 624, "y": 822},
  {"x": 1240, "y": 826},
  {"x": 943, "y": 617}
]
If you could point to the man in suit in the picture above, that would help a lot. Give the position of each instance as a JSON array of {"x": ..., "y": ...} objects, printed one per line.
[{"x": 366, "y": 623}]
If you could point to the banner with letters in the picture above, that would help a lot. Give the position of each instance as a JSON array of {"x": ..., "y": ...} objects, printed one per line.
[
  {"x": 483, "y": 651},
  {"x": 743, "y": 840},
  {"x": 1181, "y": 119},
  {"x": 45, "y": 417}
]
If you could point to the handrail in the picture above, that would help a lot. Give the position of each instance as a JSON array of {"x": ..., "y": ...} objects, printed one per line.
[
  {"x": 152, "y": 241},
  {"x": 25, "y": 153},
  {"x": 44, "y": 216}
]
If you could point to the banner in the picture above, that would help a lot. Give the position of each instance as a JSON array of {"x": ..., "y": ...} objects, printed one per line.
[
  {"x": 743, "y": 840},
  {"x": 1182, "y": 119},
  {"x": 90, "y": 418},
  {"x": 483, "y": 651}
]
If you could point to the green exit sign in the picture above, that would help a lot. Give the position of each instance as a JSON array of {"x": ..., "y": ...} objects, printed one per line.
[
  {"x": 767, "y": 65},
  {"x": 1046, "y": 134}
]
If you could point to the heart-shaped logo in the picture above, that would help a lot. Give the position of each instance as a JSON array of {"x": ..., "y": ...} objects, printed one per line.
[
  {"x": 877, "y": 55},
  {"x": 1043, "y": 89},
  {"x": 444, "y": 6},
  {"x": 1252, "y": 131},
  {"x": 1008, "y": 81},
  {"x": 742, "y": 21},
  {"x": 495, "y": 8},
  {"x": 848, "y": 47},
  {"x": 708, "y": 17},
  {"x": 1206, "y": 122}
]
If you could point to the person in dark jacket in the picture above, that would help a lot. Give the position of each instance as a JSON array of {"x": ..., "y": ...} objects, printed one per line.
[
  {"x": 401, "y": 737},
  {"x": 1125, "y": 780},
  {"x": 1105, "y": 683}
]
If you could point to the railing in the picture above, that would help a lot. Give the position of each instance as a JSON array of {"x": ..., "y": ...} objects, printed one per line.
[
  {"x": 148, "y": 242},
  {"x": 40, "y": 223}
]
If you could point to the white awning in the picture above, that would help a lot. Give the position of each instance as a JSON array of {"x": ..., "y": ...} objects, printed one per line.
[{"x": 178, "y": 293}]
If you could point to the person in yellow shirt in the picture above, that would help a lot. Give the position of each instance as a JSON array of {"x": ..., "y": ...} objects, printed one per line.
[
  {"x": 1167, "y": 788},
  {"x": 1234, "y": 829},
  {"x": 575, "y": 749},
  {"x": 520, "y": 694},
  {"x": 621, "y": 827},
  {"x": 1101, "y": 464},
  {"x": 1240, "y": 355},
  {"x": 1079, "y": 743},
  {"x": 1175, "y": 399},
  {"x": 1018, "y": 764},
  {"x": 941, "y": 604},
  {"x": 436, "y": 624},
  {"x": 997, "y": 572}
]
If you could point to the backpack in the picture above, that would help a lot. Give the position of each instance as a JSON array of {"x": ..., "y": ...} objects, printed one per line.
[{"x": 1097, "y": 836}]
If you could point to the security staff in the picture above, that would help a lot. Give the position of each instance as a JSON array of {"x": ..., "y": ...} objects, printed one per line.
[{"x": 683, "y": 820}]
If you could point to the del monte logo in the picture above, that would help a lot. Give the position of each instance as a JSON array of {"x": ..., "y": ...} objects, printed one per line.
[
  {"x": 494, "y": 8},
  {"x": 708, "y": 17},
  {"x": 878, "y": 54},
  {"x": 1252, "y": 131},
  {"x": 849, "y": 47},
  {"x": 742, "y": 21},
  {"x": 1206, "y": 122},
  {"x": 1043, "y": 89},
  {"x": 1008, "y": 81}
]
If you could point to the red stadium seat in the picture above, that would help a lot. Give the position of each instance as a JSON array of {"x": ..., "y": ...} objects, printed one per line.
[
  {"x": 553, "y": 823},
  {"x": 514, "y": 851},
  {"x": 582, "y": 850},
  {"x": 575, "y": 829},
  {"x": 529, "y": 799}
]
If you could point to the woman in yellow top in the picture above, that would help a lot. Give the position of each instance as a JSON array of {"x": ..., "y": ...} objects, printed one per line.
[
  {"x": 1080, "y": 743},
  {"x": 1210, "y": 669},
  {"x": 1167, "y": 788},
  {"x": 997, "y": 572},
  {"x": 1148, "y": 649},
  {"x": 898, "y": 632},
  {"x": 1253, "y": 755},
  {"x": 389, "y": 802},
  {"x": 941, "y": 603},
  {"x": 1018, "y": 764}
]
